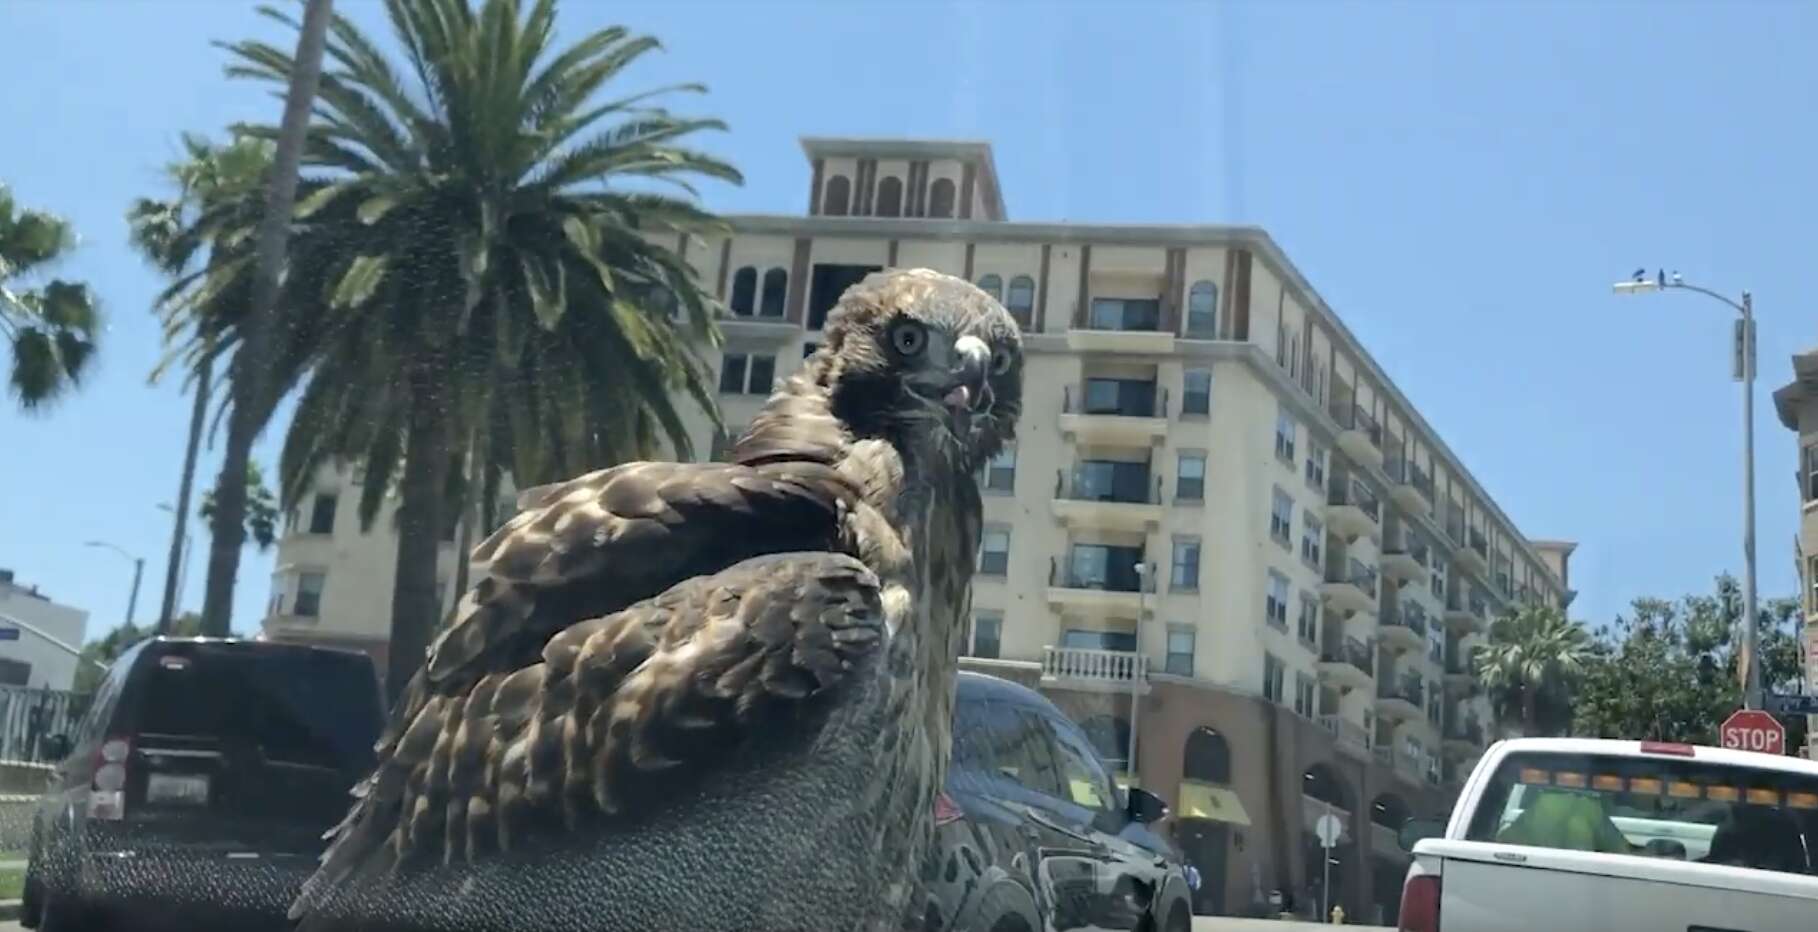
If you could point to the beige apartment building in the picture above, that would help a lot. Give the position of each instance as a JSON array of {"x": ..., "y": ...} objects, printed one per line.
[
  {"x": 1797, "y": 404},
  {"x": 1222, "y": 529}
]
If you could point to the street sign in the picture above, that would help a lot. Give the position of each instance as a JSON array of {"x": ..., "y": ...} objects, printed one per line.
[
  {"x": 9, "y": 634},
  {"x": 1752, "y": 730},
  {"x": 1329, "y": 829},
  {"x": 1791, "y": 705}
]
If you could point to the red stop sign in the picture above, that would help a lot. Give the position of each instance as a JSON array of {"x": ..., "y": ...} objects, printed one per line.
[{"x": 1752, "y": 730}]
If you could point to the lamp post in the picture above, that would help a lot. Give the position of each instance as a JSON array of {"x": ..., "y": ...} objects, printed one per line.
[
  {"x": 1144, "y": 571},
  {"x": 1743, "y": 370},
  {"x": 132, "y": 601}
]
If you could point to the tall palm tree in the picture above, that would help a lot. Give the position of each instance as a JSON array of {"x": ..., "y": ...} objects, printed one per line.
[
  {"x": 1534, "y": 656},
  {"x": 216, "y": 200},
  {"x": 477, "y": 281},
  {"x": 51, "y": 327}
]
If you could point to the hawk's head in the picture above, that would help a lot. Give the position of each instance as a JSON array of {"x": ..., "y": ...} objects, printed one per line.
[{"x": 928, "y": 362}]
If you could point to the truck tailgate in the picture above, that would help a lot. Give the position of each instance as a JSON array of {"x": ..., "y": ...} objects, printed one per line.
[{"x": 1489, "y": 887}]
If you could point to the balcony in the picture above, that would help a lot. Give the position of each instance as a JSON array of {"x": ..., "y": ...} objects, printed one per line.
[
  {"x": 1102, "y": 587},
  {"x": 1108, "y": 496},
  {"x": 1352, "y": 510},
  {"x": 1406, "y": 560},
  {"x": 1466, "y": 614},
  {"x": 1349, "y": 586},
  {"x": 1122, "y": 325},
  {"x": 1454, "y": 523},
  {"x": 757, "y": 328},
  {"x": 1410, "y": 486},
  {"x": 1347, "y": 662},
  {"x": 1402, "y": 630},
  {"x": 1114, "y": 412},
  {"x": 1475, "y": 555},
  {"x": 1358, "y": 433},
  {"x": 1401, "y": 701},
  {"x": 1462, "y": 739},
  {"x": 1350, "y": 737},
  {"x": 1093, "y": 670},
  {"x": 1459, "y": 675}
]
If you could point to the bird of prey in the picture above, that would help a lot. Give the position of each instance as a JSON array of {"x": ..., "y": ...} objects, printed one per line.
[{"x": 710, "y": 696}]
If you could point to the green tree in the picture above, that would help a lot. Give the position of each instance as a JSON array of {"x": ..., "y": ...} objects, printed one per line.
[
  {"x": 1534, "y": 657},
  {"x": 104, "y": 650},
  {"x": 1668, "y": 670},
  {"x": 261, "y": 508},
  {"x": 51, "y": 327},
  {"x": 483, "y": 274}
]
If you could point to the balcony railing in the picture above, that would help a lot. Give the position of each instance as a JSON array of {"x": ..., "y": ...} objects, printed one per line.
[
  {"x": 1126, "y": 315},
  {"x": 1468, "y": 730},
  {"x": 1411, "y": 690},
  {"x": 1354, "y": 651},
  {"x": 1480, "y": 544},
  {"x": 1120, "y": 579},
  {"x": 1354, "y": 493},
  {"x": 1352, "y": 416},
  {"x": 1455, "y": 526},
  {"x": 1152, "y": 402},
  {"x": 1346, "y": 731},
  {"x": 1397, "y": 617},
  {"x": 1083, "y": 485},
  {"x": 1352, "y": 571},
  {"x": 1458, "y": 661},
  {"x": 1092, "y": 664},
  {"x": 1421, "y": 482},
  {"x": 1415, "y": 548}
]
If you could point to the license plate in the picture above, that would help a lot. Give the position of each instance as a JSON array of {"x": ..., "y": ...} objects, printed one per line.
[{"x": 173, "y": 788}]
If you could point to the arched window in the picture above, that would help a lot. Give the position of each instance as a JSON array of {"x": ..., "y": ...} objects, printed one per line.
[
  {"x": 993, "y": 286},
  {"x": 1321, "y": 783},
  {"x": 1202, "y": 309},
  {"x": 1207, "y": 757},
  {"x": 889, "y": 197},
  {"x": 940, "y": 198},
  {"x": 838, "y": 193},
  {"x": 776, "y": 289},
  {"x": 744, "y": 291},
  {"x": 1020, "y": 299}
]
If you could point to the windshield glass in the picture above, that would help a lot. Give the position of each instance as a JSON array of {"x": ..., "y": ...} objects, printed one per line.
[{"x": 1653, "y": 807}]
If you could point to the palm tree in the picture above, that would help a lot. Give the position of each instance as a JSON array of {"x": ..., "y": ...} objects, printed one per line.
[
  {"x": 52, "y": 328},
  {"x": 1534, "y": 656},
  {"x": 477, "y": 281},
  {"x": 217, "y": 197}
]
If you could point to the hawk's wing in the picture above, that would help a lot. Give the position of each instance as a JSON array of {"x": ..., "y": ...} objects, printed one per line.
[{"x": 616, "y": 712}]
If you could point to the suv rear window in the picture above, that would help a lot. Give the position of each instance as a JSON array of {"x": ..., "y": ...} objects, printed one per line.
[
  {"x": 306, "y": 707},
  {"x": 1684, "y": 809}
]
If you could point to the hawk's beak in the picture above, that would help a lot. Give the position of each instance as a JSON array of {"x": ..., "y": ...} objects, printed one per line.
[{"x": 970, "y": 388}]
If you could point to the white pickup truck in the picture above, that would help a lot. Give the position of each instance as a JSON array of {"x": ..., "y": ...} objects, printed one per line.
[{"x": 1562, "y": 834}]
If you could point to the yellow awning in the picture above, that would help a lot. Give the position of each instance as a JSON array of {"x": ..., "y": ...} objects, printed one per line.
[{"x": 1215, "y": 803}]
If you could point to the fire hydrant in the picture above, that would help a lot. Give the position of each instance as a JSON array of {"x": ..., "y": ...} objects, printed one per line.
[{"x": 1338, "y": 915}]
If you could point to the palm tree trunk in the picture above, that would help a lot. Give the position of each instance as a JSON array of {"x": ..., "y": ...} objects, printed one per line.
[
  {"x": 247, "y": 373},
  {"x": 197, "y": 414},
  {"x": 422, "y": 490},
  {"x": 469, "y": 500},
  {"x": 1530, "y": 711}
]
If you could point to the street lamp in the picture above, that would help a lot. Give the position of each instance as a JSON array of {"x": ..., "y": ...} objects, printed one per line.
[
  {"x": 132, "y": 601},
  {"x": 1743, "y": 370}
]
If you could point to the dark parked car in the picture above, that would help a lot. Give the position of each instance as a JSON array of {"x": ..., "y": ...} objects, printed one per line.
[
  {"x": 200, "y": 782},
  {"x": 1034, "y": 834}
]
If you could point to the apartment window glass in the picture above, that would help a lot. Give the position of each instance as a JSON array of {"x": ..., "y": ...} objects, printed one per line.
[
  {"x": 1196, "y": 392},
  {"x": 776, "y": 291},
  {"x": 834, "y": 199},
  {"x": 941, "y": 198},
  {"x": 808, "y": 349},
  {"x": 1000, "y": 473},
  {"x": 732, "y": 374},
  {"x": 1190, "y": 477},
  {"x": 1202, "y": 309},
  {"x": 1125, "y": 314},
  {"x": 744, "y": 291},
  {"x": 1020, "y": 299},
  {"x": 1180, "y": 651},
  {"x": 1307, "y": 625},
  {"x": 1438, "y": 580},
  {"x": 890, "y": 197},
  {"x": 1272, "y": 677},
  {"x": 1811, "y": 585},
  {"x": 994, "y": 552},
  {"x": 309, "y": 594},
  {"x": 322, "y": 514},
  {"x": 1185, "y": 571},
  {"x": 1306, "y": 696},
  {"x": 1285, "y": 429},
  {"x": 1281, "y": 518},
  {"x": 992, "y": 285},
  {"x": 1316, "y": 465},
  {"x": 763, "y": 375},
  {"x": 1312, "y": 541},
  {"x": 987, "y": 635},
  {"x": 1275, "y": 600}
]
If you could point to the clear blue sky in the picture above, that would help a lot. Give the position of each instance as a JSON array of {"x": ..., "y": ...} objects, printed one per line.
[{"x": 1461, "y": 181}]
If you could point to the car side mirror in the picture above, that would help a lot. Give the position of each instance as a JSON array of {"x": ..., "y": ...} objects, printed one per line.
[
  {"x": 1413, "y": 830},
  {"x": 1144, "y": 807}
]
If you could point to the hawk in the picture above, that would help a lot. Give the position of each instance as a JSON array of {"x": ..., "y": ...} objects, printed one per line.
[{"x": 708, "y": 696}]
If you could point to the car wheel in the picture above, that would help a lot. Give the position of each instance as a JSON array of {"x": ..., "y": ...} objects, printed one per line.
[{"x": 1179, "y": 920}]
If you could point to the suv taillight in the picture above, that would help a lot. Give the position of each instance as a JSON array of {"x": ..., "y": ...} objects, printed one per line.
[
  {"x": 107, "y": 797},
  {"x": 1420, "y": 904}
]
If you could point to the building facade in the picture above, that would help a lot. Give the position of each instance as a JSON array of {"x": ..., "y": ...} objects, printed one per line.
[
  {"x": 1224, "y": 540},
  {"x": 26, "y": 658},
  {"x": 1797, "y": 404}
]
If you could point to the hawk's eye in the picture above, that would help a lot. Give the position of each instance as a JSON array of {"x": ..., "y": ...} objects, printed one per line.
[
  {"x": 1000, "y": 361},
  {"x": 908, "y": 338}
]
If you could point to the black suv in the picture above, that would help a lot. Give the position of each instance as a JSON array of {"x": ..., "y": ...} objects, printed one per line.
[
  {"x": 200, "y": 782},
  {"x": 1034, "y": 835}
]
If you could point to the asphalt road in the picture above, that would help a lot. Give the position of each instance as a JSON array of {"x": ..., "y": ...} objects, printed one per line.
[{"x": 1201, "y": 924}]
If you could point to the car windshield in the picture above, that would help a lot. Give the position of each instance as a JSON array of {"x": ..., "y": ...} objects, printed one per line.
[{"x": 1663, "y": 807}]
